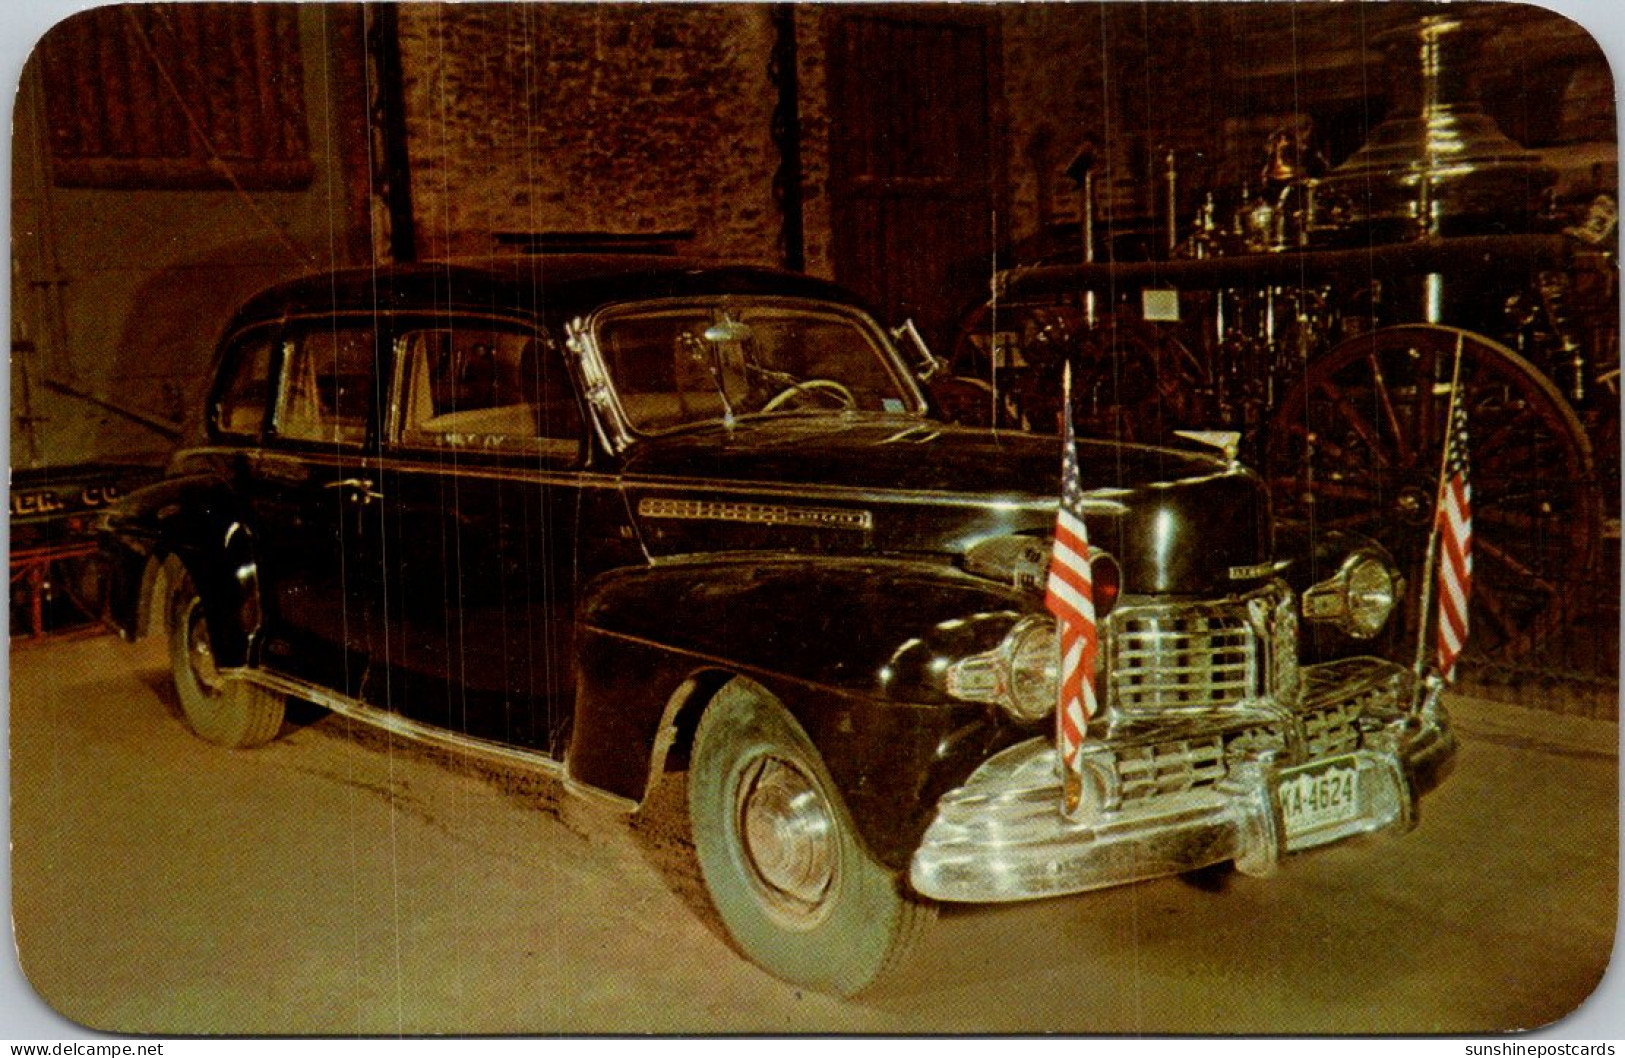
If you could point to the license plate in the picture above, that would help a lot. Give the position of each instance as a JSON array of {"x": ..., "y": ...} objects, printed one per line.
[{"x": 1319, "y": 795}]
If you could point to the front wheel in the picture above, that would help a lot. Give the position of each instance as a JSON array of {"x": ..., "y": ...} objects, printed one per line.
[
  {"x": 232, "y": 713},
  {"x": 797, "y": 890}
]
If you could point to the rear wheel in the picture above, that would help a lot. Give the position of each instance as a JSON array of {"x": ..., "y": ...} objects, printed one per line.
[
  {"x": 797, "y": 890},
  {"x": 227, "y": 712}
]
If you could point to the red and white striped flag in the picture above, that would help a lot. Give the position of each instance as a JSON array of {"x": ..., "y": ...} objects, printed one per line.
[
  {"x": 1455, "y": 528},
  {"x": 1070, "y": 597}
]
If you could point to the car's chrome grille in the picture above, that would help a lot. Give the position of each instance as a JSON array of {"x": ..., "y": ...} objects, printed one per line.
[
  {"x": 1168, "y": 767},
  {"x": 1157, "y": 769},
  {"x": 1194, "y": 657},
  {"x": 1159, "y": 663},
  {"x": 1320, "y": 713},
  {"x": 1330, "y": 731},
  {"x": 1200, "y": 660}
]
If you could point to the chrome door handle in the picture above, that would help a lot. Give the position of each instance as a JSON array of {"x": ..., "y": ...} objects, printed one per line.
[{"x": 360, "y": 488}]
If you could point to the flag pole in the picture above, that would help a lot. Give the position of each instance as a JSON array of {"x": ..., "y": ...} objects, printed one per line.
[
  {"x": 1425, "y": 612},
  {"x": 993, "y": 322},
  {"x": 1071, "y": 781}
]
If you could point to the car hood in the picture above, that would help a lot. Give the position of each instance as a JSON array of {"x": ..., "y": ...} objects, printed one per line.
[{"x": 1176, "y": 521}]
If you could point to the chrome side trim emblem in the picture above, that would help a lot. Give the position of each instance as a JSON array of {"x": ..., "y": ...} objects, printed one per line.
[
  {"x": 1262, "y": 569},
  {"x": 757, "y": 514}
]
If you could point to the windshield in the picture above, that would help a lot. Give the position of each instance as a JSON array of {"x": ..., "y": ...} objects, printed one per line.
[{"x": 679, "y": 363}]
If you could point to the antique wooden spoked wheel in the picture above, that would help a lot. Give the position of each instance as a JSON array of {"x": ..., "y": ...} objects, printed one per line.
[
  {"x": 1131, "y": 381},
  {"x": 1358, "y": 442}
]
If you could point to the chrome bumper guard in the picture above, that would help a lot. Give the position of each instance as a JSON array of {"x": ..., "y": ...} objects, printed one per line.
[{"x": 1002, "y": 836}]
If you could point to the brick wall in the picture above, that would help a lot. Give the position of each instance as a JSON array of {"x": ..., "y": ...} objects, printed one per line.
[{"x": 631, "y": 119}]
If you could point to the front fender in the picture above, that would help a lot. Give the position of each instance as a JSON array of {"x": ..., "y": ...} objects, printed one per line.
[
  {"x": 861, "y": 625},
  {"x": 855, "y": 649},
  {"x": 1311, "y": 555}
]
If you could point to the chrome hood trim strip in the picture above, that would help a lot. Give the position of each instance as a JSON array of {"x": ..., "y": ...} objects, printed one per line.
[{"x": 756, "y": 514}]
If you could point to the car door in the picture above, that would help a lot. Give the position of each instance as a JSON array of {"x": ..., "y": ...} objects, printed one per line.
[
  {"x": 479, "y": 537},
  {"x": 314, "y": 500}
]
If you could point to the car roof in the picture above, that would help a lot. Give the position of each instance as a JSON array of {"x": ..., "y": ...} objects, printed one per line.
[{"x": 550, "y": 286}]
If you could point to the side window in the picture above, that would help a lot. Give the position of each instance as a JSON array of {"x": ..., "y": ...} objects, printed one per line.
[
  {"x": 484, "y": 387},
  {"x": 245, "y": 389},
  {"x": 327, "y": 385}
]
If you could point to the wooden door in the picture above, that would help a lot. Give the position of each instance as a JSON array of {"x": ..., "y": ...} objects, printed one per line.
[{"x": 912, "y": 187}]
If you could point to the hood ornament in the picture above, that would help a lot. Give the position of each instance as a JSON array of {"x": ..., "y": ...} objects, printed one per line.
[{"x": 1226, "y": 441}]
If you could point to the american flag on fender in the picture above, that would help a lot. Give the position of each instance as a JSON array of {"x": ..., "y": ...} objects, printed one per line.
[
  {"x": 1455, "y": 528},
  {"x": 1070, "y": 597}
]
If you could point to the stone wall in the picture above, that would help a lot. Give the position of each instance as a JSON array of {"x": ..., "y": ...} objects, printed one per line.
[
  {"x": 812, "y": 79},
  {"x": 625, "y": 119}
]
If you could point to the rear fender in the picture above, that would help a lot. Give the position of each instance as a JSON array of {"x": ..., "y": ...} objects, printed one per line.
[{"x": 185, "y": 524}]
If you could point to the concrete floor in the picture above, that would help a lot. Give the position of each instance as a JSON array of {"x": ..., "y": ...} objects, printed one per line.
[{"x": 338, "y": 881}]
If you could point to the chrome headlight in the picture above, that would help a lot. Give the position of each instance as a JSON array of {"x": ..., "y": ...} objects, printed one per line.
[
  {"x": 1021, "y": 675},
  {"x": 1033, "y": 676},
  {"x": 1359, "y": 598}
]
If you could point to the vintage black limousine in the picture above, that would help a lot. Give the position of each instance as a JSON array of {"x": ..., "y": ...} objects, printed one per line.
[{"x": 617, "y": 518}]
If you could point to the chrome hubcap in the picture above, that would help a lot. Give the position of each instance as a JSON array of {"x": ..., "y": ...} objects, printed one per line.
[
  {"x": 199, "y": 653},
  {"x": 788, "y": 835}
]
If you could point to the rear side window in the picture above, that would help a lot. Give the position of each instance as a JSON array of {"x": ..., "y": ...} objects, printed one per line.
[
  {"x": 327, "y": 385},
  {"x": 485, "y": 387},
  {"x": 245, "y": 391}
]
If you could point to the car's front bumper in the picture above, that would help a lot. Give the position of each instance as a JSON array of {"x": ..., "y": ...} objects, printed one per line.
[{"x": 1208, "y": 791}]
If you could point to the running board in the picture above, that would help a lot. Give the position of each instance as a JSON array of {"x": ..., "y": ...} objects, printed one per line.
[{"x": 533, "y": 761}]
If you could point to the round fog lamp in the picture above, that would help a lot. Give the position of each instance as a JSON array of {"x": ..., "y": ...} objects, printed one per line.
[{"x": 1368, "y": 588}]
